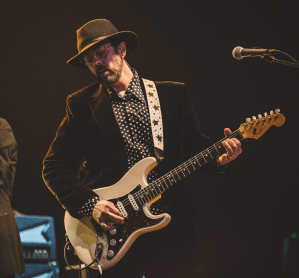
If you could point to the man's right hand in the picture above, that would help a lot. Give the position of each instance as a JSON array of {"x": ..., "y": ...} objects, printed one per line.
[{"x": 105, "y": 213}]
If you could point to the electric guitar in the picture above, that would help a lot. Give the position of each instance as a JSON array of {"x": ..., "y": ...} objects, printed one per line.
[{"x": 132, "y": 196}]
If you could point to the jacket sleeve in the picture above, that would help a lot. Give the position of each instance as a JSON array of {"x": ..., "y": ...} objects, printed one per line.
[
  {"x": 194, "y": 140},
  {"x": 61, "y": 162},
  {"x": 8, "y": 156}
]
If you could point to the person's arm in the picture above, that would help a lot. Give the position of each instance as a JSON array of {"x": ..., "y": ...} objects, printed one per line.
[
  {"x": 61, "y": 162},
  {"x": 60, "y": 166}
]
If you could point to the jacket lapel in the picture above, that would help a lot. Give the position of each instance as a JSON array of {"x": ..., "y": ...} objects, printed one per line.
[{"x": 105, "y": 118}]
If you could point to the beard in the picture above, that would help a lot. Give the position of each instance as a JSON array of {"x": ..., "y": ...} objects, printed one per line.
[{"x": 110, "y": 78}]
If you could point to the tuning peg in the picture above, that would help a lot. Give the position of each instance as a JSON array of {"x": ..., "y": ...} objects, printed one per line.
[
  {"x": 248, "y": 119},
  {"x": 254, "y": 117},
  {"x": 265, "y": 114},
  {"x": 277, "y": 111},
  {"x": 260, "y": 116},
  {"x": 271, "y": 112}
]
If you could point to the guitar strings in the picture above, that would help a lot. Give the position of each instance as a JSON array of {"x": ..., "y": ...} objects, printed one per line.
[
  {"x": 153, "y": 186},
  {"x": 187, "y": 163},
  {"x": 165, "y": 177},
  {"x": 159, "y": 182}
]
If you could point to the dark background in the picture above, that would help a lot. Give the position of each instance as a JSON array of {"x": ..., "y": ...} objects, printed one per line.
[{"x": 245, "y": 215}]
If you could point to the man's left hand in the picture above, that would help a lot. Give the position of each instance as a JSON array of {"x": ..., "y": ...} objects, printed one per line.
[{"x": 233, "y": 148}]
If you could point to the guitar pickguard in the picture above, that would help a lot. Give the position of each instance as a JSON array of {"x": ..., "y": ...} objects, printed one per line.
[{"x": 135, "y": 220}]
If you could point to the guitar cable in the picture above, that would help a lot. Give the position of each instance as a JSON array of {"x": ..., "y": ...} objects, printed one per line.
[
  {"x": 98, "y": 253},
  {"x": 79, "y": 264}
]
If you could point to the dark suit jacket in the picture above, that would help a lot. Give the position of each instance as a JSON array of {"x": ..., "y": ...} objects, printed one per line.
[
  {"x": 11, "y": 253},
  {"x": 90, "y": 134}
]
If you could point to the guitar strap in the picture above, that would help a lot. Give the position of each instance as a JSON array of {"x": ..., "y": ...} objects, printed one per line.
[{"x": 155, "y": 117}]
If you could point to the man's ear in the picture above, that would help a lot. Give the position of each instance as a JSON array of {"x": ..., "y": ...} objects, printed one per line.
[{"x": 122, "y": 49}]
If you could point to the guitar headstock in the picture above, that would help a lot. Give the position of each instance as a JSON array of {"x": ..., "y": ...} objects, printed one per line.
[{"x": 256, "y": 127}]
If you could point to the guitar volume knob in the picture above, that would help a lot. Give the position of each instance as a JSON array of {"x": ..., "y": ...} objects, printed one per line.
[
  {"x": 110, "y": 253},
  {"x": 112, "y": 242},
  {"x": 113, "y": 232}
]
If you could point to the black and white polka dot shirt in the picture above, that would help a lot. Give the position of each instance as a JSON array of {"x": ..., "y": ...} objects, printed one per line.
[
  {"x": 133, "y": 119},
  {"x": 132, "y": 115}
]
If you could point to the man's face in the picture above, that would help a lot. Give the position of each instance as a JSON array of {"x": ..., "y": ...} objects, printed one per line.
[{"x": 105, "y": 63}]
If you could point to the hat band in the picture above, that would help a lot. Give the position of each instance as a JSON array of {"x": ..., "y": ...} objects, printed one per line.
[{"x": 91, "y": 41}]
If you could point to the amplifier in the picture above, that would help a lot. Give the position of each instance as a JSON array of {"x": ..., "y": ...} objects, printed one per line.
[{"x": 38, "y": 238}]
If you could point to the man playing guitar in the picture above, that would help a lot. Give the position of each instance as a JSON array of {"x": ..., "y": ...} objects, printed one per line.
[{"x": 107, "y": 129}]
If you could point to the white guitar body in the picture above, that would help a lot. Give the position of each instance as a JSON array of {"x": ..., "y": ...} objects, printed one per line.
[{"x": 82, "y": 233}]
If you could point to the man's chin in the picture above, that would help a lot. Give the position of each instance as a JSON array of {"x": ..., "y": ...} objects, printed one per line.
[{"x": 106, "y": 80}]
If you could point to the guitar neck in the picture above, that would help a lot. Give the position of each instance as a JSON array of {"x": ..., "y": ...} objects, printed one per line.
[{"x": 184, "y": 170}]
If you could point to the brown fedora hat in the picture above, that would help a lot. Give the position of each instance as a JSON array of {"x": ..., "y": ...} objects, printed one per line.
[{"x": 96, "y": 31}]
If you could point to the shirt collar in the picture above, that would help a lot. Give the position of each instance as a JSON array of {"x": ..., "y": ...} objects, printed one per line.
[{"x": 134, "y": 88}]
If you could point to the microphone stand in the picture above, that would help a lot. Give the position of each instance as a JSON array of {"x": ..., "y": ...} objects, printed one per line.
[{"x": 272, "y": 59}]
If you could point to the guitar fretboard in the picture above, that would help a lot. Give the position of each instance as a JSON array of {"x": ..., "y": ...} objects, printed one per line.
[{"x": 183, "y": 170}]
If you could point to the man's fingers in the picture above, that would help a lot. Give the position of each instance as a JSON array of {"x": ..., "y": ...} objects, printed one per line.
[
  {"x": 238, "y": 144},
  {"x": 115, "y": 218},
  {"x": 232, "y": 146},
  {"x": 107, "y": 221},
  {"x": 227, "y": 131},
  {"x": 106, "y": 213},
  {"x": 223, "y": 159},
  {"x": 106, "y": 226},
  {"x": 114, "y": 210},
  {"x": 228, "y": 147},
  {"x": 235, "y": 144}
]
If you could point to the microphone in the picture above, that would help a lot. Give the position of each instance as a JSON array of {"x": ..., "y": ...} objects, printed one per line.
[{"x": 240, "y": 52}]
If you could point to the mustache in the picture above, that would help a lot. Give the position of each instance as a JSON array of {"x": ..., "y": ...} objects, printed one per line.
[{"x": 102, "y": 68}]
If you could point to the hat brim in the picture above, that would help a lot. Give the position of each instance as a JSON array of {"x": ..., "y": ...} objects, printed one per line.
[{"x": 130, "y": 38}]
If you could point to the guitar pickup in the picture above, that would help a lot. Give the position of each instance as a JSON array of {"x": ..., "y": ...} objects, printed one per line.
[
  {"x": 122, "y": 209},
  {"x": 133, "y": 202}
]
